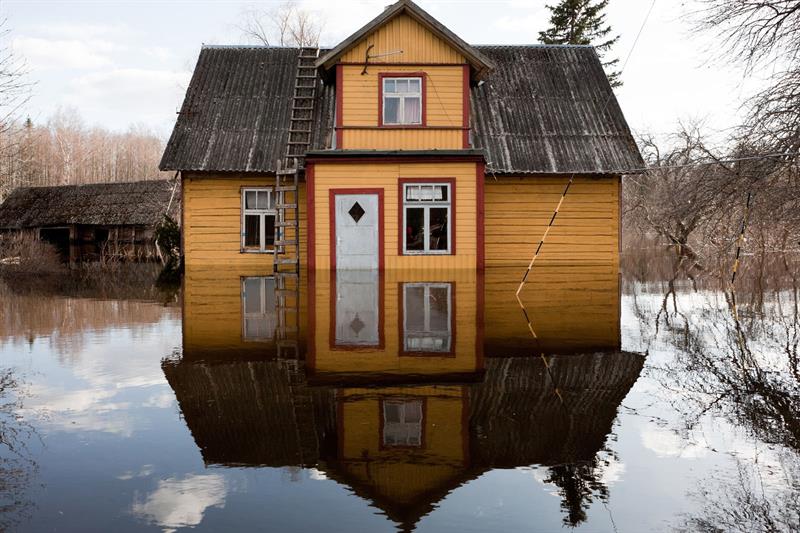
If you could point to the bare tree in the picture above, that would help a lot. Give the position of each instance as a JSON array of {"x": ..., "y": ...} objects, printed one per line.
[{"x": 284, "y": 25}]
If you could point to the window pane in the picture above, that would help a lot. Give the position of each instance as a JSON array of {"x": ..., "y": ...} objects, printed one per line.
[
  {"x": 263, "y": 200},
  {"x": 252, "y": 231},
  {"x": 415, "y": 226},
  {"x": 438, "y": 229},
  {"x": 415, "y": 308},
  {"x": 412, "y": 111},
  {"x": 252, "y": 295},
  {"x": 392, "y": 412},
  {"x": 413, "y": 412},
  {"x": 388, "y": 86},
  {"x": 391, "y": 112},
  {"x": 414, "y": 85},
  {"x": 269, "y": 230},
  {"x": 402, "y": 86},
  {"x": 440, "y": 193},
  {"x": 438, "y": 305},
  {"x": 250, "y": 199}
]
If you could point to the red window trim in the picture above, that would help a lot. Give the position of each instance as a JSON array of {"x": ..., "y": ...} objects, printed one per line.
[
  {"x": 401, "y": 324},
  {"x": 381, "y": 76},
  {"x": 400, "y": 212},
  {"x": 332, "y": 223},
  {"x": 423, "y": 434}
]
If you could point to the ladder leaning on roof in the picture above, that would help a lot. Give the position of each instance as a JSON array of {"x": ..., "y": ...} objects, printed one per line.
[{"x": 287, "y": 242}]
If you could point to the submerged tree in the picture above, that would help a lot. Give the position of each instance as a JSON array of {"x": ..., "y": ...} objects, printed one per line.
[{"x": 583, "y": 22}]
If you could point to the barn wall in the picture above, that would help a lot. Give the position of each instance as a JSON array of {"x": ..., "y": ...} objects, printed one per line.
[
  {"x": 586, "y": 231},
  {"x": 212, "y": 220}
]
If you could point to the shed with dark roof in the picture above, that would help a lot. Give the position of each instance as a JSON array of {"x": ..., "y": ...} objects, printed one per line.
[{"x": 83, "y": 221}]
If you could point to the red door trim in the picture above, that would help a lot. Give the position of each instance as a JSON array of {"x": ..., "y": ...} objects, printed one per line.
[
  {"x": 311, "y": 218},
  {"x": 332, "y": 223}
]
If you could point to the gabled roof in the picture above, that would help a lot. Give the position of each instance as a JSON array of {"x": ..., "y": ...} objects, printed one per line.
[
  {"x": 481, "y": 65},
  {"x": 542, "y": 110},
  {"x": 139, "y": 203}
]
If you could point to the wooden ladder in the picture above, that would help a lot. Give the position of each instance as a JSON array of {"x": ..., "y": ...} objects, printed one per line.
[{"x": 287, "y": 244}]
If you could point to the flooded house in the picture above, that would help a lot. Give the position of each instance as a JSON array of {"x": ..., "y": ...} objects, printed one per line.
[
  {"x": 93, "y": 221},
  {"x": 403, "y": 147}
]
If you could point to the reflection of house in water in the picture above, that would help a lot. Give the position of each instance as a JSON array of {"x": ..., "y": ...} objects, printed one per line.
[{"x": 408, "y": 390}]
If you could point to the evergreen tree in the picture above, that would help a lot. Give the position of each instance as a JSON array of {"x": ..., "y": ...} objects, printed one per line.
[{"x": 583, "y": 22}]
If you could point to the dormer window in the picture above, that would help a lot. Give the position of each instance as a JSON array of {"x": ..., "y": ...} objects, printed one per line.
[{"x": 402, "y": 100}]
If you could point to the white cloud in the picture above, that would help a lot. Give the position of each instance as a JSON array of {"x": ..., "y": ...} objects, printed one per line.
[
  {"x": 43, "y": 54},
  {"x": 666, "y": 443},
  {"x": 181, "y": 502}
]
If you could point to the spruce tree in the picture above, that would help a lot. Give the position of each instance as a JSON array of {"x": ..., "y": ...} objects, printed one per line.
[{"x": 583, "y": 22}]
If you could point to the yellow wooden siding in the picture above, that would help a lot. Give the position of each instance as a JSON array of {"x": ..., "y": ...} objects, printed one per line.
[
  {"x": 385, "y": 176},
  {"x": 585, "y": 232},
  {"x": 418, "y": 44},
  {"x": 571, "y": 309},
  {"x": 404, "y": 475},
  {"x": 212, "y": 221},
  {"x": 388, "y": 359},
  {"x": 212, "y": 312},
  {"x": 444, "y": 105}
]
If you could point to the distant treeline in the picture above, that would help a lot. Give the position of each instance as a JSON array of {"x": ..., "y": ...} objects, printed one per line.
[{"x": 64, "y": 151}]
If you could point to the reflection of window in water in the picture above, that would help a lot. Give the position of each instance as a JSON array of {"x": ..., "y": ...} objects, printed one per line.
[
  {"x": 427, "y": 313},
  {"x": 402, "y": 423},
  {"x": 258, "y": 308}
]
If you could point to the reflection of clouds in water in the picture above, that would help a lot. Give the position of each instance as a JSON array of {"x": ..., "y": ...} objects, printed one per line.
[
  {"x": 666, "y": 443},
  {"x": 145, "y": 471},
  {"x": 115, "y": 363},
  {"x": 181, "y": 502}
]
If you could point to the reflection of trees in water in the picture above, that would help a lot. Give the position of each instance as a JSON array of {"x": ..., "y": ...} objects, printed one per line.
[
  {"x": 580, "y": 484},
  {"x": 747, "y": 503},
  {"x": 65, "y": 308},
  {"x": 735, "y": 355},
  {"x": 17, "y": 468}
]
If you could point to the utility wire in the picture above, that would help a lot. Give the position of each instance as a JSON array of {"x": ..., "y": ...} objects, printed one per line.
[{"x": 572, "y": 177}]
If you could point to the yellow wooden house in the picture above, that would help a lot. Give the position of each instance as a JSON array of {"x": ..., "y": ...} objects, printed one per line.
[{"x": 403, "y": 147}]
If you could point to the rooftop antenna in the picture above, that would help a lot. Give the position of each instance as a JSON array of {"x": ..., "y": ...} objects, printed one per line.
[{"x": 367, "y": 57}]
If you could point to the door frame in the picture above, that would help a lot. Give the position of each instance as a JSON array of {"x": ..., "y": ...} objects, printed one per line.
[{"x": 332, "y": 222}]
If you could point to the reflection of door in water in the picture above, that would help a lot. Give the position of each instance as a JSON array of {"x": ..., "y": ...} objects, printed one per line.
[
  {"x": 357, "y": 314},
  {"x": 356, "y": 231}
]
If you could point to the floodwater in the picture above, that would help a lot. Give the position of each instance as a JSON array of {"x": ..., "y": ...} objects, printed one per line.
[{"x": 423, "y": 401}]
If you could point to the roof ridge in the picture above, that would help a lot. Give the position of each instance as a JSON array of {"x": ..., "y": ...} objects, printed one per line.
[
  {"x": 246, "y": 46},
  {"x": 533, "y": 45}
]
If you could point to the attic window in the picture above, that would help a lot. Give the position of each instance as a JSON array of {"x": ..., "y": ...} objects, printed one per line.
[{"x": 402, "y": 100}]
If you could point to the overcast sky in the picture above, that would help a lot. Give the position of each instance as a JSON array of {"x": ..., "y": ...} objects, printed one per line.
[{"x": 128, "y": 62}]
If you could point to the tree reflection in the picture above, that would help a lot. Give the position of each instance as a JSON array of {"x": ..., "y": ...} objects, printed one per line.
[
  {"x": 16, "y": 466},
  {"x": 735, "y": 355},
  {"x": 579, "y": 484}
]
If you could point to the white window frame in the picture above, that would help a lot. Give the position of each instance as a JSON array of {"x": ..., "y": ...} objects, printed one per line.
[
  {"x": 426, "y": 298},
  {"x": 426, "y": 205},
  {"x": 402, "y": 96},
  {"x": 412, "y": 430},
  {"x": 263, "y": 248},
  {"x": 263, "y": 313}
]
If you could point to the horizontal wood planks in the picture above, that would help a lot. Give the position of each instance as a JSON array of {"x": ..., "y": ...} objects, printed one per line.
[
  {"x": 586, "y": 230},
  {"x": 212, "y": 220}
]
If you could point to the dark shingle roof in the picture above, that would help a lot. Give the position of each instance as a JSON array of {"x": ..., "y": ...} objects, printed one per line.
[
  {"x": 108, "y": 204},
  {"x": 544, "y": 109}
]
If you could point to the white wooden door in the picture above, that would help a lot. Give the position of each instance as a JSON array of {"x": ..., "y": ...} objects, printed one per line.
[
  {"x": 356, "y": 231},
  {"x": 357, "y": 314}
]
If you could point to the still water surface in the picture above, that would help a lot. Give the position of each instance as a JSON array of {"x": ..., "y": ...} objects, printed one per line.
[{"x": 427, "y": 401}]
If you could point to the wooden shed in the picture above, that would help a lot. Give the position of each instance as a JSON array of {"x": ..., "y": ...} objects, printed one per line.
[
  {"x": 403, "y": 147},
  {"x": 87, "y": 222}
]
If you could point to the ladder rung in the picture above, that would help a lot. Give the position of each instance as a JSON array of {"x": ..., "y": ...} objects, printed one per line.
[
  {"x": 285, "y": 223},
  {"x": 303, "y": 119},
  {"x": 286, "y": 261},
  {"x": 287, "y": 243},
  {"x": 286, "y": 206},
  {"x": 300, "y": 131},
  {"x": 286, "y": 188}
]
